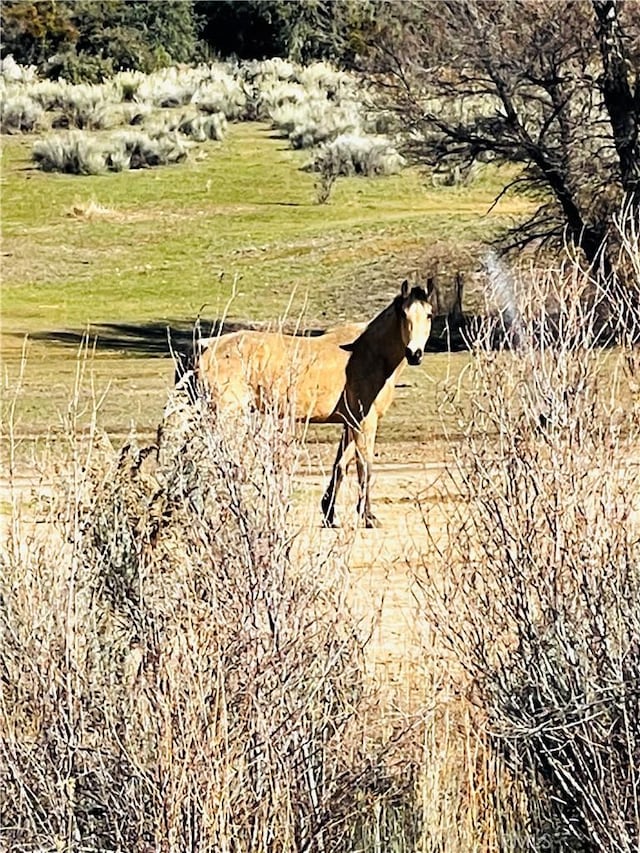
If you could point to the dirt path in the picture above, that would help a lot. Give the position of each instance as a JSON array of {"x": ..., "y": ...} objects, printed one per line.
[{"x": 383, "y": 562}]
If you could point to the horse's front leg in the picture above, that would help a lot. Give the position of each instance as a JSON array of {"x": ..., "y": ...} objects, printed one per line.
[
  {"x": 365, "y": 441},
  {"x": 346, "y": 451}
]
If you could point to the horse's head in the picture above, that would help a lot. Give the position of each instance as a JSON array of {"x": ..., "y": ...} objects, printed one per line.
[{"x": 415, "y": 310}]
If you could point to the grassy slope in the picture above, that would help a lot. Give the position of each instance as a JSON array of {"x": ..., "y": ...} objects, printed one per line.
[{"x": 176, "y": 238}]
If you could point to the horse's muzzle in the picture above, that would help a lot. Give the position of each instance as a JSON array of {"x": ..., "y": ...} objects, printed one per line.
[{"x": 413, "y": 356}]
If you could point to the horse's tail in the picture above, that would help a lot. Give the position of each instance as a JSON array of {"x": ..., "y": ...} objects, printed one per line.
[{"x": 186, "y": 362}]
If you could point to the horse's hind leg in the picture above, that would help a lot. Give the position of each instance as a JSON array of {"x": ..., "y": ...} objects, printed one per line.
[{"x": 345, "y": 454}]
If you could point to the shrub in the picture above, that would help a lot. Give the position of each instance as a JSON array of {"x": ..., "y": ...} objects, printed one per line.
[
  {"x": 50, "y": 94},
  {"x": 129, "y": 82},
  {"x": 259, "y": 72},
  {"x": 75, "y": 153},
  {"x": 222, "y": 95},
  {"x": 315, "y": 105},
  {"x": 261, "y": 80},
  {"x": 539, "y": 589},
  {"x": 316, "y": 120},
  {"x": 78, "y": 67},
  {"x": 168, "y": 88},
  {"x": 323, "y": 76},
  {"x": 191, "y": 124},
  {"x": 18, "y": 113},
  {"x": 177, "y": 674},
  {"x": 11, "y": 71},
  {"x": 325, "y": 183},
  {"x": 80, "y": 154},
  {"x": 143, "y": 150},
  {"x": 351, "y": 154},
  {"x": 86, "y": 107},
  {"x": 201, "y": 128},
  {"x": 275, "y": 96},
  {"x": 133, "y": 113}
]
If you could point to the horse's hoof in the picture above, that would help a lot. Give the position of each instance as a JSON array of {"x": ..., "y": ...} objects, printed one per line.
[
  {"x": 371, "y": 522},
  {"x": 329, "y": 523}
]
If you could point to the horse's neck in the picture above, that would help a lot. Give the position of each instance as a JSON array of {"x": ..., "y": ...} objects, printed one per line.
[{"x": 383, "y": 339}]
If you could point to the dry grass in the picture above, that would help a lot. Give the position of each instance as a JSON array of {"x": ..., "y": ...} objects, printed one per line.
[
  {"x": 187, "y": 664},
  {"x": 91, "y": 210},
  {"x": 537, "y": 589}
]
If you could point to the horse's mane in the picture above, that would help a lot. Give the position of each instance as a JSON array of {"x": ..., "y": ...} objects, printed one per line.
[
  {"x": 416, "y": 294},
  {"x": 374, "y": 323}
]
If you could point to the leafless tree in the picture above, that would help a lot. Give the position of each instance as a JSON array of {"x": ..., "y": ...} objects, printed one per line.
[{"x": 553, "y": 87}]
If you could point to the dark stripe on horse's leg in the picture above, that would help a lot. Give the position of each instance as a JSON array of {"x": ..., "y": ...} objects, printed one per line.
[
  {"x": 343, "y": 457},
  {"x": 364, "y": 481}
]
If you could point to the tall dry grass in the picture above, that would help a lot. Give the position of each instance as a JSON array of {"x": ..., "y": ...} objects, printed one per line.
[
  {"x": 172, "y": 678},
  {"x": 181, "y": 668},
  {"x": 537, "y": 588}
]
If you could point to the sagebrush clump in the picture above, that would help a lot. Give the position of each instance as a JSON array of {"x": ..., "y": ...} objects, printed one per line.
[
  {"x": 80, "y": 154},
  {"x": 352, "y": 154},
  {"x": 19, "y": 113}
]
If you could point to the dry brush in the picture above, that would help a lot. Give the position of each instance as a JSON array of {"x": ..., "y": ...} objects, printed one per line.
[{"x": 537, "y": 590}]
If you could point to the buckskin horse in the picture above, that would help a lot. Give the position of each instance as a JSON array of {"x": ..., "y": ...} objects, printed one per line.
[{"x": 346, "y": 375}]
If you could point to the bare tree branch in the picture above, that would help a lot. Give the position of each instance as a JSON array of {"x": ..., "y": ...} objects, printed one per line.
[{"x": 521, "y": 82}]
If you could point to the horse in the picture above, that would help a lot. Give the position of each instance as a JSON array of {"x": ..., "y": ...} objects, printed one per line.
[{"x": 346, "y": 375}]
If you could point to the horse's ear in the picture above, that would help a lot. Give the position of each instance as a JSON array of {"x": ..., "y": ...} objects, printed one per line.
[
  {"x": 430, "y": 285},
  {"x": 404, "y": 290}
]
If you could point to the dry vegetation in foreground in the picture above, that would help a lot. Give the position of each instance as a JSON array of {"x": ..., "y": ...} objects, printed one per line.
[
  {"x": 537, "y": 588},
  {"x": 181, "y": 667}
]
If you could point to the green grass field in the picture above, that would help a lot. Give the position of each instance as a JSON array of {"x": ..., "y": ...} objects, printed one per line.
[{"x": 117, "y": 260}]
